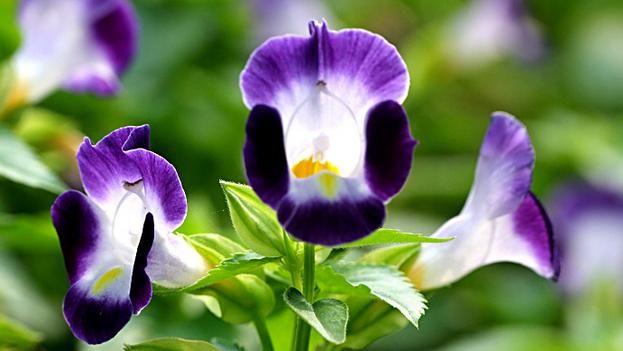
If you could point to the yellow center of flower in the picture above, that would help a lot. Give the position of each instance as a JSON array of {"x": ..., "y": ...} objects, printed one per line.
[
  {"x": 106, "y": 279},
  {"x": 309, "y": 166}
]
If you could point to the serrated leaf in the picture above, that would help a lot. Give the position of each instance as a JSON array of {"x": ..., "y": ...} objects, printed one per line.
[
  {"x": 254, "y": 221},
  {"x": 171, "y": 344},
  {"x": 385, "y": 282},
  {"x": 238, "y": 264},
  {"x": 19, "y": 164},
  {"x": 392, "y": 236},
  {"x": 328, "y": 316}
]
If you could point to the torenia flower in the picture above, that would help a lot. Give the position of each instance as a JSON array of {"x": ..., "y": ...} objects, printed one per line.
[
  {"x": 328, "y": 143},
  {"x": 502, "y": 221},
  {"x": 589, "y": 229},
  {"x": 489, "y": 29},
  {"x": 118, "y": 239},
  {"x": 81, "y": 45}
]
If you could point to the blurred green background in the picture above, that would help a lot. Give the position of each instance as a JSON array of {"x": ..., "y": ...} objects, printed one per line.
[{"x": 184, "y": 83}]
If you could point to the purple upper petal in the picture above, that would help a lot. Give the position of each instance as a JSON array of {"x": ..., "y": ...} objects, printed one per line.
[
  {"x": 389, "y": 149},
  {"x": 164, "y": 194},
  {"x": 360, "y": 67},
  {"x": 504, "y": 171},
  {"x": 264, "y": 155},
  {"x": 104, "y": 167}
]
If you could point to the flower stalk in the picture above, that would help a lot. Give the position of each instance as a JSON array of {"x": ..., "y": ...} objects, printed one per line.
[{"x": 303, "y": 330}]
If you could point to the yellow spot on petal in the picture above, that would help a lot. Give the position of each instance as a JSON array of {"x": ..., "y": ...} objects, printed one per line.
[
  {"x": 106, "y": 279},
  {"x": 308, "y": 167},
  {"x": 328, "y": 184}
]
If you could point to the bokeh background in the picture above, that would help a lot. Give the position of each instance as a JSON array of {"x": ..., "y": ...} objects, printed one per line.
[{"x": 184, "y": 83}]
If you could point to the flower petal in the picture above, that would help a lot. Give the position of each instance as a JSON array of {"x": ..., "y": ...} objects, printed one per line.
[
  {"x": 79, "y": 227},
  {"x": 104, "y": 167},
  {"x": 83, "y": 45},
  {"x": 95, "y": 319},
  {"x": 108, "y": 279},
  {"x": 264, "y": 155},
  {"x": 360, "y": 67},
  {"x": 588, "y": 219},
  {"x": 504, "y": 170},
  {"x": 524, "y": 237},
  {"x": 115, "y": 36},
  {"x": 174, "y": 263},
  {"x": 501, "y": 220},
  {"x": 164, "y": 195},
  {"x": 389, "y": 149},
  {"x": 140, "y": 290},
  {"x": 329, "y": 210}
]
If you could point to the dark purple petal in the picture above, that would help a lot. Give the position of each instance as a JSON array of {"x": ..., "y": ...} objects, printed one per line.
[
  {"x": 78, "y": 226},
  {"x": 116, "y": 33},
  {"x": 389, "y": 149},
  {"x": 331, "y": 222},
  {"x": 345, "y": 61},
  {"x": 95, "y": 319},
  {"x": 531, "y": 223},
  {"x": 140, "y": 290},
  {"x": 504, "y": 171},
  {"x": 164, "y": 194},
  {"x": 264, "y": 155},
  {"x": 104, "y": 167}
]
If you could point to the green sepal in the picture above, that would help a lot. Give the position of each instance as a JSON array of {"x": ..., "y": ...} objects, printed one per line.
[{"x": 254, "y": 221}]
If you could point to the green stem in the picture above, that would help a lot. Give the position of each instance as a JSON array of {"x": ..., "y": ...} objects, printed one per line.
[
  {"x": 262, "y": 332},
  {"x": 303, "y": 330}
]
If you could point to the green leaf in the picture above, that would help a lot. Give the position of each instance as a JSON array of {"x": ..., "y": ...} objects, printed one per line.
[
  {"x": 393, "y": 236},
  {"x": 385, "y": 282},
  {"x": 214, "y": 247},
  {"x": 171, "y": 344},
  {"x": 14, "y": 334},
  {"x": 396, "y": 255},
  {"x": 255, "y": 222},
  {"x": 19, "y": 164},
  {"x": 328, "y": 316},
  {"x": 239, "y": 263},
  {"x": 238, "y": 300}
]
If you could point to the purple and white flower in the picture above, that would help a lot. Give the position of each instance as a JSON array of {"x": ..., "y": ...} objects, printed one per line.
[
  {"x": 81, "y": 45},
  {"x": 118, "y": 238},
  {"x": 489, "y": 29},
  {"x": 589, "y": 230},
  {"x": 502, "y": 221},
  {"x": 328, "y": 142}
]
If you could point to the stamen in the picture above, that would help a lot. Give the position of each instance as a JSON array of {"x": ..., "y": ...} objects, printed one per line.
[
  {"x": 309, "y": 166},
  {"x": 135, "y": 188}
]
